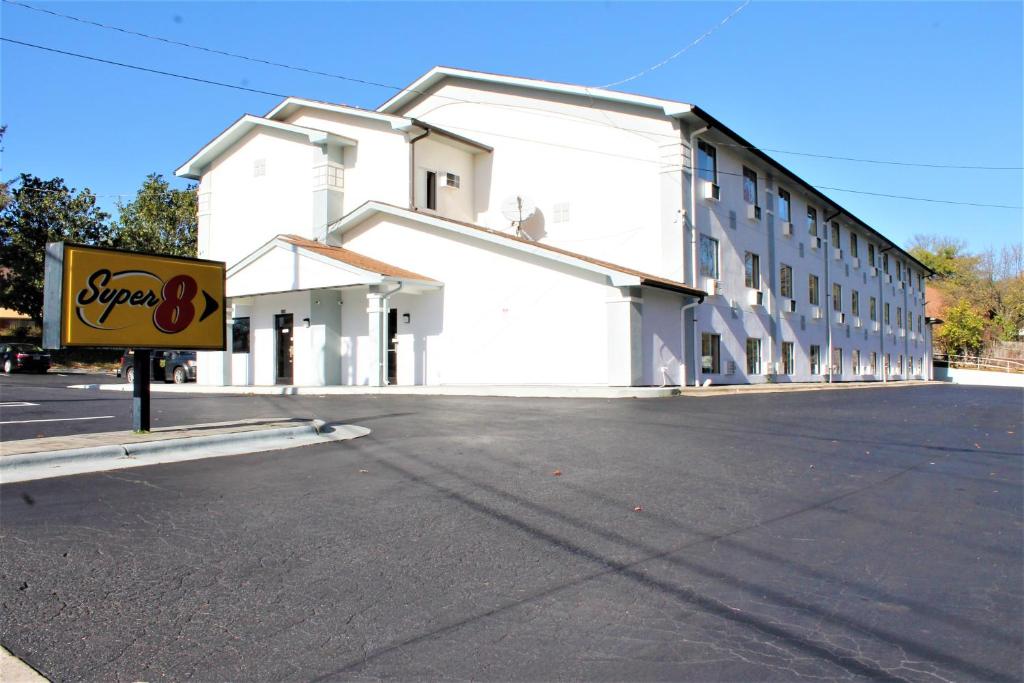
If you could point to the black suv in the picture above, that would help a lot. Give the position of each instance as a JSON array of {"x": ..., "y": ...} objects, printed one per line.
[{"x": 165, "y": 366}]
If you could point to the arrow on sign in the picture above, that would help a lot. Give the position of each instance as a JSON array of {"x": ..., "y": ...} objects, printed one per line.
[{"x": 211, "y": 306}]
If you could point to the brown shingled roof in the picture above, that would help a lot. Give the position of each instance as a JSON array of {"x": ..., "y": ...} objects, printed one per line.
[
  {"x": 354, "y": 259},
  {"x": 646, "y": 278}
]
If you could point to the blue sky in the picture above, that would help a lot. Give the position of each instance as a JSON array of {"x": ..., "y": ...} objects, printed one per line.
[{"x": 926, "y": 82}]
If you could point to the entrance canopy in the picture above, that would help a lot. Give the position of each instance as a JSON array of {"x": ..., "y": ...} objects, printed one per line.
[{"x": 289, "y": 263}]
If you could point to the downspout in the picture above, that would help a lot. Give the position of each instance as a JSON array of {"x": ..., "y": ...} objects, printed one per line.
[
  {"x": 693, "y": 339},
  {"x": 412, "y": 169},
  {"x": 828, "y": 289}
]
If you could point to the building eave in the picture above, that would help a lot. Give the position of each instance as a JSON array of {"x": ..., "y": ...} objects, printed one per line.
[{"x": 194, "y": 167}]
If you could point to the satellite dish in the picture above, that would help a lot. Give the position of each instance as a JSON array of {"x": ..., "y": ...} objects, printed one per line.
[{"x": 518, "y": 209}]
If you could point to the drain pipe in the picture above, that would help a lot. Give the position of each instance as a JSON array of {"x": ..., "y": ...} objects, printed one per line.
[
  {"x": 412, "y": 168},
  {"x": 693, "y": 339},
  {"x": 828, "y": 289}
]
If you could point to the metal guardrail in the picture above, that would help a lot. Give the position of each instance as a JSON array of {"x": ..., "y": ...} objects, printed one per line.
[{"x": 979, "y": 363}]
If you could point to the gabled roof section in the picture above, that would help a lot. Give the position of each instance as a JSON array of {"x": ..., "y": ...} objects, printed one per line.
[
  {"x": 352, "y": 258},
  {"x": 290, "y": 105},
  {"x": 620, "y": 276},
  {"x": 417, "y": 89},
  {"x": 194, "y": 167}
]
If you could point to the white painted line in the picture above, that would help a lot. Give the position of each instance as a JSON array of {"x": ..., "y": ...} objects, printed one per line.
[
  {"x": 56, "y": 419},
  {"x": 16, "y": 404}
]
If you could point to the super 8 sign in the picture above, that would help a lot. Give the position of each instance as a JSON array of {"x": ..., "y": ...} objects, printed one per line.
[{"x": 110, "y": 298}]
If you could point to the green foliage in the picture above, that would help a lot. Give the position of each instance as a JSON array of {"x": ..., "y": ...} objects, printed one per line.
[
  {"x": 41, "y": 211},
  {"x": 160, "y": 220},
  {"x": 962, "y": 332},
  {"x": 947, "y": 257}
]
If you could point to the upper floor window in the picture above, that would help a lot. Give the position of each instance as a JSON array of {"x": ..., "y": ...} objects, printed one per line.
[
  {"x": 920, "y": 281},
  {"x": 812, "y": 221},
  {"x": 835, "y": 235},
  {"x": 837, "y": 296},
  {"x": 885, "y": 313},
  {"x": 871, "y": 254},
  {"x": 786, "y": 281},
  {"x": 259, "y": 167},
  {"x": 899, "y": 270},
  {"x": 707, "y": 162},
  {"x": 855, "y": 302},
  {"x": 452, "y": 180},
  {"x": 854, "y": 252},
  {"x": 752, "y": 270},
  {"x": 784, "y": 215},
  {"x": 560, "y": 212},
  {"x": 749, "y": 186},
  {"x": 812, "y": 289},
  {"x": 709, "y": 257},
  {"x": 885, "y": 263},
  {"x": 873, "y": 308}
]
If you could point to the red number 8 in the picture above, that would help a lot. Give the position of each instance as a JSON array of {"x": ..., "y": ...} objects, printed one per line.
[{"x": 176, "y": 311}]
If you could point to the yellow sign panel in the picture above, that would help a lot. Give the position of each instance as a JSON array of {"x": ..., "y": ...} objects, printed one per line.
[{"x": 124, "y": 299}]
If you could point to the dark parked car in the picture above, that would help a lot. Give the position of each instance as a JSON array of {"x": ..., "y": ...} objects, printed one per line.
[
  {"x": 28, "y": 357},
  {"x": 165, "y": 366}
]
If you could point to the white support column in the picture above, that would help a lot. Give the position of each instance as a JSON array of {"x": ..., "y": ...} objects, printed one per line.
[
  {"x": 376, "y": 307},
  {"x": 625, "y": 324}
]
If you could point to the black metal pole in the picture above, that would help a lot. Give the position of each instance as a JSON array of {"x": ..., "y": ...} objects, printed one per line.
[{"x": 140, "y": 390}]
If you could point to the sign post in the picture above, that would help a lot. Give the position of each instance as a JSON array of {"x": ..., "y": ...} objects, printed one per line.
[
  {"x": 140, "y": 390},
  {"x": 104, "y": 298}
]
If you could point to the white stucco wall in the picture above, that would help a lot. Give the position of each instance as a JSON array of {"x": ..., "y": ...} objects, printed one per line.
[
  {"x": 433, "y": 153},
  {"x": 507, "y": 317},
  {"x": 558, "y": 150}
]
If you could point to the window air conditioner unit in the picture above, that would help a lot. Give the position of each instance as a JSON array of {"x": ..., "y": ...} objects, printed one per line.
[
  {"x": 903, "y": 333},
  {"x": 815, "y": 242},
  {"x": 755, "y": 297},
  {"x": 837, "y": 254},
  {"x": 899, "y": 284},
  {"x": 840, "y": 318},
  {"x": 753, "y": 212},
  {"x": 875, "y": 326},
  {"x": 855, "y": 262},
  {"x": 816, "y": 312},
  {"x": 789, "y": 305},
  {"x": 872, "y": 271},
  {"x": 712, "y": 286},
  {"x": 888, "y": 329},
  {"x": 856, "y": 322},
  {"x": 787, "y": 229},
  {"x": 712, "y": 191}
]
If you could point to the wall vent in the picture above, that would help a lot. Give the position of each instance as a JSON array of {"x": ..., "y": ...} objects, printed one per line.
[{"x": 732, "y": 220}]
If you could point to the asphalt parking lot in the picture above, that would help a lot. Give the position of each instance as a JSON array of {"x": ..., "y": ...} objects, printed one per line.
[{"x": 850, "y": 534}]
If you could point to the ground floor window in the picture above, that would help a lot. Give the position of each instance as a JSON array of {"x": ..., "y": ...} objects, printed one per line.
[
  {"x": 900, "y": 364},
  {"x": 787, "y": 358},
  {"x": 888, "y": 364},
  {"x": 837, "y": 361},
  {"x": 240, "y": 335},
  {"x": 710, "y": 363},
  {"x": 874, "y": 363},
  {"x": 855, "y": 361},
  {"x": 815, "y": 357},
  {"x": 753, "y": 356}
]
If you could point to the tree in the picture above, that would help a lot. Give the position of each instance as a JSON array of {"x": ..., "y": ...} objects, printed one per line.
[
  {"x": 962, "y": 331},
  {"x": 947, "y": 257},
  {"x": 41, "y": 211},
  {"x": 160, "y": 220}
]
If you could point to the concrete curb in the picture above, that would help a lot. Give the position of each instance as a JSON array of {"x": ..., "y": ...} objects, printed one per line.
[
  {"x": 46, "y": 464},
  {"x": 14, "y": 670},
  {"x": 506, "y": 391}
]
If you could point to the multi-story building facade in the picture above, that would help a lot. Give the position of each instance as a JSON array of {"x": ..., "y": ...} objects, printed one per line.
[{"x": 656, "y": 246}]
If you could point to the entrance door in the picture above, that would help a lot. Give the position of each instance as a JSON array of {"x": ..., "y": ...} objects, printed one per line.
[
  {"x": 393, "y": 346},
  {"x": 285, "y": 348}
]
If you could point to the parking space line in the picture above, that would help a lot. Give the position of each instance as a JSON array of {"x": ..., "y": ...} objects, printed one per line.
[
  {"x": 16, "y": 404},
  {"x": 56, "y": 419}
]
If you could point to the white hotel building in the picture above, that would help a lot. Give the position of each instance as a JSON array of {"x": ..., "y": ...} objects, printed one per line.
[{"x": 375, "y": 247}]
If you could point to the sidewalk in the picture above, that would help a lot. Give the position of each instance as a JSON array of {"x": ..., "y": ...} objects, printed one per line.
[
  {"x": 513, "y": 391},
  {"x": 57, "y": 456}
]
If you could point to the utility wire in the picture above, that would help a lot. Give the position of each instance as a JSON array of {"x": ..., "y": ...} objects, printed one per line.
[
  {"x": 694, "y": 43},
  {"x": 141, "y": 68},
  {"x": 470, "y": 101},
  {"x": 582, "y": 149},
  {"x": 362, "y": 81}
]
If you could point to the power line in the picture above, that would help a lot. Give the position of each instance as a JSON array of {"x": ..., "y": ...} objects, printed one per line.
[
  {"x": 142, "y": 68},
  {"x": 363, "y": 81},
  {"x": 582, "y": 149},
  {"x": 695, "y": 42}
]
